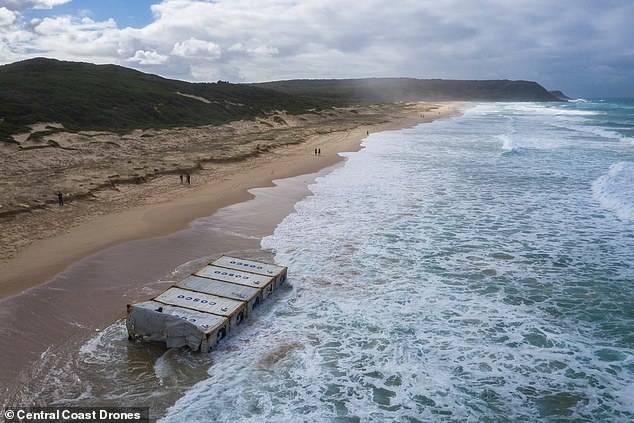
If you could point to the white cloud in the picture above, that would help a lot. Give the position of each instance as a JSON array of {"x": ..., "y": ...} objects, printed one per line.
[
  {"x": 263, "y": 50},
  {"x": 279, "y": 39},
  {"x": 31, "y": 4},
  {"x": 145, "y": 57},
  {"x": 7, "y": 17},
  {"x": 72, "y": 38},
  {"x": 69, "y": 25},
  {"x": 197, "y": 48}
]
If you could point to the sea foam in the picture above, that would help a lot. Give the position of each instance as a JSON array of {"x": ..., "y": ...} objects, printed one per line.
[
  {"x": 435, "y": 279},
  {"x": 615, "y": 190}
]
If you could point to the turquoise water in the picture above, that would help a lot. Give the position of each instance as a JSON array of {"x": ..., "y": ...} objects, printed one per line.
[
  {"x": 478, "y": 268},
  {"x": 475, "y": 269}
]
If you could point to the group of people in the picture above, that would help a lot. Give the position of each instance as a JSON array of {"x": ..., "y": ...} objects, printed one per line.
[
  {"x": 186, "y": 177},
  {"x": 318, "y": 152}
]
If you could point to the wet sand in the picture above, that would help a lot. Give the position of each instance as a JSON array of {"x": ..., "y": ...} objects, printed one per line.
[
  {"x": 127, "y": 255},
  {"x": 48, "y": 324},
  {"x": 38, "y": 244}
]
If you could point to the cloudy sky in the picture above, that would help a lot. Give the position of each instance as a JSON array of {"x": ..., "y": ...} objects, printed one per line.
[{"x": 583, "y": 47}]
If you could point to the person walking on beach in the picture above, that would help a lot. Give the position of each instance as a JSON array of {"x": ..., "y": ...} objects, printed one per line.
[
  {"x": 189, "y": 178},
  {"x": 315, "y": 152},
  {"x": 319, "y": 152},
  {"x": 181, "y": 178},
  {"x": 60, "y": 198}
]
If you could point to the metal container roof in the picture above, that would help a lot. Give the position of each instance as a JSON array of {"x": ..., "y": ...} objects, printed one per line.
[
  {"x": 234, "y": 276},
  {"x": 219, "y": 288},
  {"x": 249, "y": 266},
  {"x": 205, "y": 322},
  {"x": 199, "y": 301}
]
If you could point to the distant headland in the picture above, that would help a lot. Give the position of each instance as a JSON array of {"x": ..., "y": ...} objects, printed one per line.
[{"x": 84, "y": 96}]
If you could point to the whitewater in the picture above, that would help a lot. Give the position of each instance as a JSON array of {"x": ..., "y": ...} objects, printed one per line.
[{"x": 476, "y": 268}]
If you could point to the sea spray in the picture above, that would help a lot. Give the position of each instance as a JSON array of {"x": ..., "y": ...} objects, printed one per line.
[{"x": 615, "y": 190}]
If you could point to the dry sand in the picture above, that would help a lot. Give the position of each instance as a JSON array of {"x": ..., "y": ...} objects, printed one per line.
[
  {"x": 42, "y": 309},
  {"x": 133, "y": 191}
]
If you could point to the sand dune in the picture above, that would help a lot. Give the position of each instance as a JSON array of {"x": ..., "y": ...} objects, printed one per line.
[{"x": 123, "y": 187}]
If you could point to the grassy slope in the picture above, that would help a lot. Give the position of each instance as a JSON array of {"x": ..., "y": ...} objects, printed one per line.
[
  {"x": 408, "y": 89},
  {"x": 84, "y": 96},
  {"x": 108, "y": 97}
]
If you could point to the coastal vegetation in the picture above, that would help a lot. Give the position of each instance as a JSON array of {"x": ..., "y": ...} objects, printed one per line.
[
  {"x": 410, "y": 89},
  {"x": 83, "y": 129},
  {"x": 84, "y": 96}
]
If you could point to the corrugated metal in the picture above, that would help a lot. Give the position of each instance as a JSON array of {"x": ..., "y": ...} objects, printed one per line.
[
  {"x": 203, "y": 308},
  {"x": 234, "y": 276},
  {"x": 199, "y": 301},
  {"x": 219, "y": 288},
  {"x": 249, "y": 266},
  {"x": 205, "y": 322}
]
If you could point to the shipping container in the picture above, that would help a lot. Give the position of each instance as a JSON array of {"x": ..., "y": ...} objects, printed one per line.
[
  {"x": 234, "y": 310},
  {"x": 252, "y": 296},
  {"x": 278, "y": 273},
  {"x": 176, "y": 326},
  {"x": 262, "y": 282},
  {"x": 205, "y": 307}
]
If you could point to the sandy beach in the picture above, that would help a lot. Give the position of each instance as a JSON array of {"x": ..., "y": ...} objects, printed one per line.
[{"x": 68, "y": 271}]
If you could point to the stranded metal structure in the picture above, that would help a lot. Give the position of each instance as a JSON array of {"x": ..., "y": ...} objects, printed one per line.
[{"x": 205, "y": 307}]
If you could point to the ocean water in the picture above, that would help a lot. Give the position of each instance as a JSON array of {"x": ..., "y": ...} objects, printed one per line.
[
  {"x": 478, "y": 268},
  {"x": 475, "y": 269}
]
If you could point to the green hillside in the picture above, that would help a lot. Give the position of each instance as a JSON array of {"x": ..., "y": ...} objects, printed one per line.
[
  {"x": 85, "y": 96},
  {"x": 409, "y": 89}
]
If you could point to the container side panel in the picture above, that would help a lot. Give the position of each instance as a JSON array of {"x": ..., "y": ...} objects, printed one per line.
[
  {"x": 199, "y": 301},
  {"x": 219, "y": 288},
  {"x": 234, "y": 276},
  {"x": 249, "y": 266}
]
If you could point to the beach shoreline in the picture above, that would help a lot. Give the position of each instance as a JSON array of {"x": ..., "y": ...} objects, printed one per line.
[
  {"x": 95, "y": 231},
  {"x": 58, "y": 291}
]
